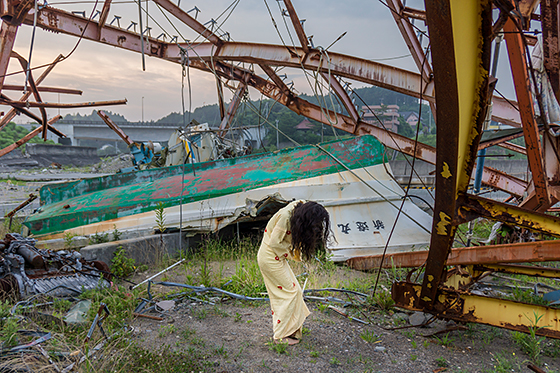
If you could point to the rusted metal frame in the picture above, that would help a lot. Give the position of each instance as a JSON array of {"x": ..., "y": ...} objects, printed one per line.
[
  {"x": 504, "y": 112},
  {"x": 32, "y": 197},
  {"x": 523, "y": 252},
  {"x": 385, "y": 76},
  {"x": 190, "y": 21},
  {"x": 109, "y": 122},
  {"x": 513, "y": 147},
  {"x": 232, "y": 108},
  {"x": 58, "y": 20},
  {"x": 363, "y": 70},
  {"x": 519, "y": 69},
  {"x": 276, "y": 79},
  {"x": 552, "y": 166},
  {"x": 22, "y": 104},
  {"x": 25, "y": 66},
  {"x": 67, "y": 91},
  {"x": 492, "y": 177},
  {"x": 414, "y": 13},
  {"x": 465, "y": 307},
  {"x": 70, "y": 24},
  {"x": 498, "y": 141},
  {"x": 12, "y": 113},
  {"x": 297, "y": 26},
  {"x": 409, "y": 35},
  {"x": 32, "y": 116},
  {"x": 551, "y": 53},
  {"x": 103, "y": 17},
  {"x": 517, "y": 269},
  {"x": 221, "y": 104},
  {"x": 7, "y": 38},
  {"x": 438, "y": 15},
  {"x": 527, "y": 7},
  {"x": 471, "y": 206},
  {"x": 343, "y": 95},
  {"x": 29, "y": 136}
]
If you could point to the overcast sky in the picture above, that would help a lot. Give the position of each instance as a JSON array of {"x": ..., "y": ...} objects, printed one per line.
[{"x": 107, "y": 73}]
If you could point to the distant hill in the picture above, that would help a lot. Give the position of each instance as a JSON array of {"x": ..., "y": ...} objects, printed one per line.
[{"x": 94, "y": 117}]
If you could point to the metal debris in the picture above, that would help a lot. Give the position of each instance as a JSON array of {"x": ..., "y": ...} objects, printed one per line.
[{"x": 26, "y": 270}]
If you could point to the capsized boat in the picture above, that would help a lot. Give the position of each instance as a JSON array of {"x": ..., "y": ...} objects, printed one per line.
[{"x": 349, "y": 177}]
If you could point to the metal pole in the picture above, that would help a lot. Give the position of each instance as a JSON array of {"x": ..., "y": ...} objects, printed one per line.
[
  {"x": 277, "y": 136},
  {"x": 142, "y": 110},
  {"x": 141, "y": 34},
  {"x": 482, "y": 152}
]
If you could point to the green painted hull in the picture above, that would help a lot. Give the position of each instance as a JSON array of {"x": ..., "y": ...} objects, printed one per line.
[{"x": 77, "y": 203}]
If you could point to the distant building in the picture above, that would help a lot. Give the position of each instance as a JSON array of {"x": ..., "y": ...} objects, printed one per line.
[
  {"x": 388, "y": 114},
  {"x": 410, "y": 117},
  {"x": 305, "y": 125}
]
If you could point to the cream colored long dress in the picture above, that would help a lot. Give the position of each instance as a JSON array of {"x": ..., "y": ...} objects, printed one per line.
[{"x": 286, "y": 296}]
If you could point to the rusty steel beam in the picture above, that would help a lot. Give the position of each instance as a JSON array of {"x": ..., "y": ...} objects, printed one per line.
[
  {"x": 25, "y": 65},
  {"x": 103, "y": 17},
  {"x": 232, "y": 108},
  {"x": 57, "y": 20},
  {"x": 440, "y": 28},
  {"x": 67, "y": 91},
  {"x": 190, "y": 21},
  {"x": 414, "y": 13},
  {"x": 522, "y": 83},
  {"x": 343, "y": 95},
  {"x": 465, "y": 307},
  {"x": 27, "y": 137},
  {"x": 276, "y": 79},
  {"x": 23, "y": 104},
  {"x": 32, "y": 197},
  {"x": 32, "y": 116},
  {"x": 221, "y": 104},
  {"x": 513, "y": 147},
  {"x": 409, "y": 35},
  {"x": 363, "y": 70},
  {"x": 392, "y": 78},
  {"x": 527, "y": 7},
  {"x": 500, "y": 140},
  {"x": 506, "y": 112},
  {"x": 297, "y": 26},
  {"x": 540, "y": 251},
  {"x": 519, "y": 269},
  {"x": 109, "y": 122},
  {"x": 551, "y": 53},
  {"x": 471, "y": 207},
  {"x": 12, "y": 113},
  {"x": 7, "y": 38}
]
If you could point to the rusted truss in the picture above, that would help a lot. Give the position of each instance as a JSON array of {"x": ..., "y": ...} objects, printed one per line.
[{"x": 211, "y": 58}]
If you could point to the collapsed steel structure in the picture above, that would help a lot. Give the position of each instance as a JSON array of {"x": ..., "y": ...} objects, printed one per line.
[{"x": 455, "y": 80}]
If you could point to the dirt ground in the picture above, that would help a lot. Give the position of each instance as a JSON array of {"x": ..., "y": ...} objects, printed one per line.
[{"x": 236, "y": 337}]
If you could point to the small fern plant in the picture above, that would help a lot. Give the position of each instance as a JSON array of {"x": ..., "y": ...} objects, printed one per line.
[{"x": 160, "y": 218}]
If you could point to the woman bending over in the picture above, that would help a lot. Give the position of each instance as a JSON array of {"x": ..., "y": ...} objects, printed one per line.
[{"x": 296, "y": 232}]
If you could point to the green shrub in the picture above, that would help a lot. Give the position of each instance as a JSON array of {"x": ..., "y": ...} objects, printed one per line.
[{"x": 122, "y": 266}]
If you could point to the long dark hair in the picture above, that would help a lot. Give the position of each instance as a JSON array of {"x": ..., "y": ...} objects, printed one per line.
[{"x": 310, "y": 226}]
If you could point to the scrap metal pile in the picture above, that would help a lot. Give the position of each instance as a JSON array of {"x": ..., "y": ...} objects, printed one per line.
[{"x": 26, "y": 270}]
